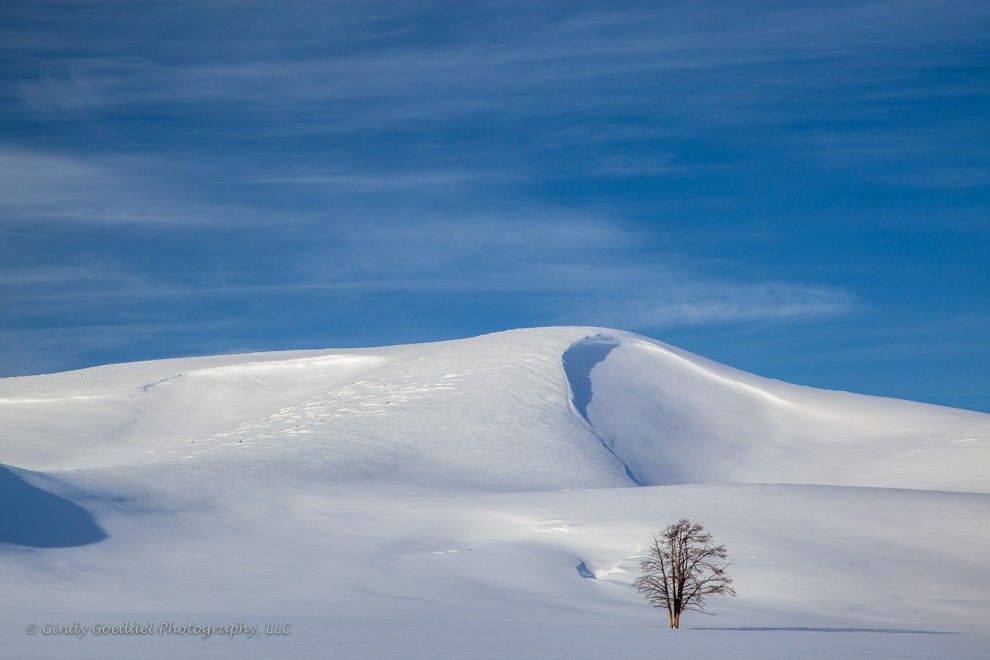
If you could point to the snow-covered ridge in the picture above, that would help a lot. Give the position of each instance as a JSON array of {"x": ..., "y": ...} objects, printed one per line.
[{"x": 534, "y": 409}]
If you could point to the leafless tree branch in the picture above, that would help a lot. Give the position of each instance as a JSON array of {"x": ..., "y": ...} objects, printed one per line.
[{"x": 681, "y": 568}]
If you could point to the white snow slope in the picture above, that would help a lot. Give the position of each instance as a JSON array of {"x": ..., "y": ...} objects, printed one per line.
[{"x": 481, "y": 498}]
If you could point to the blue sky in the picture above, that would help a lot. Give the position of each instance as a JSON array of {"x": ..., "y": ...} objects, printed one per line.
[{"x": 800, "y": 190}]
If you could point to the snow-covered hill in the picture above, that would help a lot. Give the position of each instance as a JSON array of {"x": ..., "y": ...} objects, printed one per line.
[{"x": 484, "y": 497}]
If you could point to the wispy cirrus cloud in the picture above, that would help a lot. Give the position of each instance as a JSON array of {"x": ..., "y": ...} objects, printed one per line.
[
  {"x": 52, "y": 187},
  {"x": 687, "y": 302},
  {"x": 495, "y": 49},
  {"x": 67, "y": 95},
  {"x": 573, "y": 269},
  {"x": 38, "y": 186},
  {"x": 778, "y": 73}
]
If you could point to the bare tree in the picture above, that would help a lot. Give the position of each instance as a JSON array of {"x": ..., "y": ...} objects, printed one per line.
[{"x": 680, "y": 568}]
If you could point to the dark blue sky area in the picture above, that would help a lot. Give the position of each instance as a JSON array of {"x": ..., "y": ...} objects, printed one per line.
[{"x": 800, "y": 190}]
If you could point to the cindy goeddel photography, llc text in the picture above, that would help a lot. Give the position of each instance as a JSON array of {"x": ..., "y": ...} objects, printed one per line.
[{"x": 152, "y": 629}]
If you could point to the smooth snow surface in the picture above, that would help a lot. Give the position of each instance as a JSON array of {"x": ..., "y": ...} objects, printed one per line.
[{"x": 483, "y": 498}]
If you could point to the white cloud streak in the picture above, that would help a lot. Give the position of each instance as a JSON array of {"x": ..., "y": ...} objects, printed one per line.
[
  {"x": 521, "y": 50},
  {"x": 38, "y": 186},
  {"x": 574, "y": 269}
]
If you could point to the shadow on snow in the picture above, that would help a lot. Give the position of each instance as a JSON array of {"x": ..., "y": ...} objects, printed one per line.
[
  {"x": 33, "y": 517},
  {"x": 834, "y": 630},
  {"x": 579, "y": 360}
]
